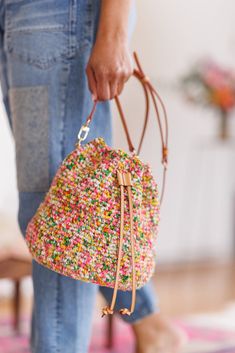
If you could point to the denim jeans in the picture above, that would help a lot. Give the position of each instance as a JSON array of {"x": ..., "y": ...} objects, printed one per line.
[{"x": 44, "y": 48}]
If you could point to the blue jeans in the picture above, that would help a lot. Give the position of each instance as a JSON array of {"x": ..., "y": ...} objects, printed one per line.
[{"x": 44, "y": 48}]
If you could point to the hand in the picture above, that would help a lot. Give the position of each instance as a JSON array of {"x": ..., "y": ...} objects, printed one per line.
[{"x": 108, "y": 68}]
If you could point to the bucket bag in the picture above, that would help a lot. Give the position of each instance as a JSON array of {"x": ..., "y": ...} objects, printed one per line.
[{"x": 99, "y": 220}]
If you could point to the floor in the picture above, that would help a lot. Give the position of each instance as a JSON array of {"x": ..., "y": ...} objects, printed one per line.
[{"x": 192, "y": 288}]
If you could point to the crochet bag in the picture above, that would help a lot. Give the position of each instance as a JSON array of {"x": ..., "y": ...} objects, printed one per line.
[{"x": 99, "y": 220}]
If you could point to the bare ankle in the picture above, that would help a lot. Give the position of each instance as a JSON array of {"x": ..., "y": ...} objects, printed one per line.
[{"x": 157, "y": 334}]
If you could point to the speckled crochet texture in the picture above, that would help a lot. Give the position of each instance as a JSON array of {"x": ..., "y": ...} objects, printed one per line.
[{"x": 75, "y": 230}]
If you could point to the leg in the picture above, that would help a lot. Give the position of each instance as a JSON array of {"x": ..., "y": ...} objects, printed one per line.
[
  {"x": 49, "y": 99},
  {"x": 62, "y": 312},
  {"x": 157, "y": 334}
]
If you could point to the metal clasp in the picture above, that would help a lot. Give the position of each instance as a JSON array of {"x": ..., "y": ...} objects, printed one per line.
[{"x": 83, "y": 132}]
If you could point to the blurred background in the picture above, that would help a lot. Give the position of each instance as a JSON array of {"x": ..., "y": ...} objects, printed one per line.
[{"x": 187, "y": 48}]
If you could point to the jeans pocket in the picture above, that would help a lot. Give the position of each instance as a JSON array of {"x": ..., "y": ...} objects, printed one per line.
[{"x": 37, "y": 32}]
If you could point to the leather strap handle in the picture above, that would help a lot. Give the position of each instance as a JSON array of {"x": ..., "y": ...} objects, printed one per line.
[{"x": 149, "y": 93}]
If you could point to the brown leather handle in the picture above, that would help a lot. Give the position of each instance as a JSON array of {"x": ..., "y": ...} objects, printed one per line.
[
  {"x": 149, "y": 92},
  {"x": 120, "y": 110},
  {"x": 122, "y": 116}
]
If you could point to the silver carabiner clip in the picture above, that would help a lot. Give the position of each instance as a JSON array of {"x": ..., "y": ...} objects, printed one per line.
[{"x": 83, "y": 132}]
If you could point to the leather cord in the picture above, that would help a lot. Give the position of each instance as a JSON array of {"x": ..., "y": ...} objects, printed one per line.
[
  {"x": 122, "y": 116},
  {"x": 124, "y": 180}
]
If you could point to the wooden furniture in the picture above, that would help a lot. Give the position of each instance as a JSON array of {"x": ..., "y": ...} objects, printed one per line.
[
  {"x": 15, "y": 268},
  {"x": 110, "y": 331}
]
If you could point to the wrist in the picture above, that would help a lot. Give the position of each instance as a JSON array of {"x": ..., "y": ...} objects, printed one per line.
[{"x": 111, "y": 36}]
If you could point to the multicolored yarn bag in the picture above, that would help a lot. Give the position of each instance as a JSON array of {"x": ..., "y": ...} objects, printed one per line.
[{"x": 99, "y": 220}]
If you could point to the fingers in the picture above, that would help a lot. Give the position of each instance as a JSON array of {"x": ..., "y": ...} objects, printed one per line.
[
  {"x": 117, "y": 84},
  {"x": 109, "y": 85},
  {"x": 113, "y": 88},
  {"x": 103, "y": 87},
  {"x": 105, "y": 83},
  {"x": 108, "y": 68},
  {"x": 121, "y": 83},
  {"x": 92, "y": 82}
]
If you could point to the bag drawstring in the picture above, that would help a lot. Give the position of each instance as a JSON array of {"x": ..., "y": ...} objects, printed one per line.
[{"x": 124, "y": 180}]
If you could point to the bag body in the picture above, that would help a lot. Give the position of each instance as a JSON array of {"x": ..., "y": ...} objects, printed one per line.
[
  {"x": 99, "y": 220},
  {"x": 75, "y": 231}
]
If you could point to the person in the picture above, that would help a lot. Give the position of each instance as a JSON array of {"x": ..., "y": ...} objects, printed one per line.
[{"x": 51, "y": 53}]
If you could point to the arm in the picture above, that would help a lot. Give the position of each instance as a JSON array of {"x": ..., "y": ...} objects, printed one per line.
[{"x": 109, "y": 66}]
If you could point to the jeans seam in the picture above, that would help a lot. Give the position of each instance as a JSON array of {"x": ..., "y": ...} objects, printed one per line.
[
  {"x": 58, "y": 309},
  {"x": 55, "y": 28},
  {"x": 72, "y": 27},
  {"x": 79, "y": 344},
  {"x": 89, "y": 23},
  {"x": 64, "y": 93},
  {"x": 41, "y": 64}
]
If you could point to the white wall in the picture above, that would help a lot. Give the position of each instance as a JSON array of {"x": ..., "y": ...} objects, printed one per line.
[
  {"x": 197, "y": 215},
  {"x": 198, "y": 211}
]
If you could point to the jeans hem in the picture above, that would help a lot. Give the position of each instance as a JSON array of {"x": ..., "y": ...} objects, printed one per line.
[{"x": 138, "y": 316}]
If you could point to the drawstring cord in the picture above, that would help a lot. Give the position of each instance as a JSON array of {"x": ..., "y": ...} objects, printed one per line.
[
  {"x": 133, "y": 299},
  {"x": 124, "y": 180}
]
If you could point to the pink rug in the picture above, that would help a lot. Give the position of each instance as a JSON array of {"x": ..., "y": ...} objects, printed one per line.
[{"x": 201, "y": 338}]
